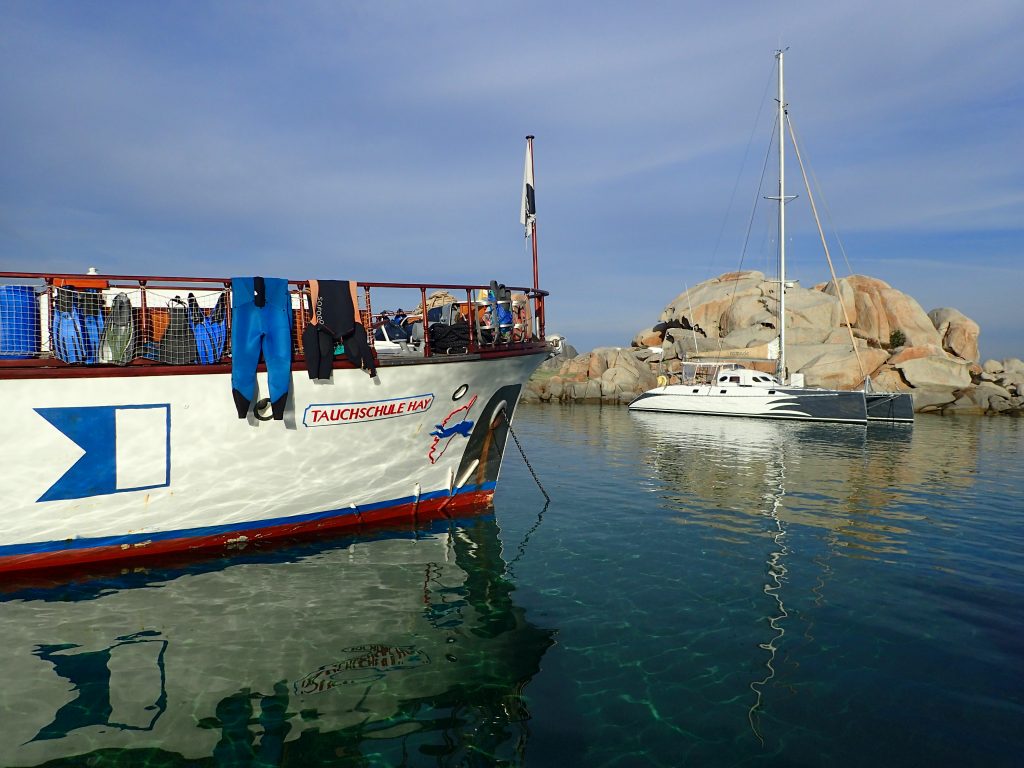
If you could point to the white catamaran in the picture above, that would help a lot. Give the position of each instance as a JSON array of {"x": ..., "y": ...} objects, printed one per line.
[{"x": 731, "y": 389}]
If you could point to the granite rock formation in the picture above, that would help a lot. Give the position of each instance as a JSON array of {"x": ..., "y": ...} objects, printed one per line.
[{"x": 876, "y": 331}]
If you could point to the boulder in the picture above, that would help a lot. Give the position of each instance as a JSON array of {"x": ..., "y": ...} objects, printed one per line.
[
  {"x": 689, "y": 344},
  {"x": 935, "y": 372},
  {"x": 704, "y": 304},
  {"x": 811, "y": 309},
  {"x": 620, "y": 380},
  {"x": 846, "y": 293},
  {"x": 842, "y": 336},
  {"x": 651, "y": 354},
  {"x": 584, "y": 390},
  {"x": 905, "y": 314},
  {"x": 799, "y": 356},
  {"x": 915, "y": 353},
  {"x": 833, "y": 366},
  {"x": 991, "y": 396},
  {"x": 963, "y": 404},
  {"x": 958, "y": 333},
  {"x": 881, "y": 309},
  {"x": 992, "y": 366},
  {"x": 598, "y": 362},
  {"x": 933, "y": 399},
  {"x": 745, "y": 313},
  {"x": 575, "y": 369},
  {"x": 647, "y": 338},
  {"x": 887, "y": 378},
  {"x": 1013, "y": 365},
  {"x": 748, "y": 337},
  {"x": 810, "y": 335},
  {"x": 554, "y": 389}
]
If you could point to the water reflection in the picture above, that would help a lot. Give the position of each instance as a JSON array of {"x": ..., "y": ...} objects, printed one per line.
[
  {"x": 862, "y": 485},
  {"x": 385, "y": 649},
  {"x": 842, "y": 489}
]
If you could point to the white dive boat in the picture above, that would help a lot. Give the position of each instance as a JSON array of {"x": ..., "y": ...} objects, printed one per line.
[
  {"x": 731, "y": 389},
  {"x": 120, "y": 437}
]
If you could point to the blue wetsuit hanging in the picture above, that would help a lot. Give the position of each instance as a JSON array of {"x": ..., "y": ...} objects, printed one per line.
[{"x": 261, "y": 320}]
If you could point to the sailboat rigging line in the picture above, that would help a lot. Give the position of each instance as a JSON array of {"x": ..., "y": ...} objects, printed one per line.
[
  {"x": 529, "y": 466},
  {"x": 824, "y": 244},
  {"x": 739, "y": 175},
  {"x": 693, "y": 326},
  {"x": 819, "y": 190},
  {"x": 750, "y": 226},
  {"x": 757, "y": 197}
]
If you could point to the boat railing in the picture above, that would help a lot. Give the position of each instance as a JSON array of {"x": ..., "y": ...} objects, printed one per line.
[{"x": 51, "y": 320}]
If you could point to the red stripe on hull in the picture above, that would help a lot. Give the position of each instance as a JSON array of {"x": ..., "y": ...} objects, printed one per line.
[{"x": 238, "y": 540}]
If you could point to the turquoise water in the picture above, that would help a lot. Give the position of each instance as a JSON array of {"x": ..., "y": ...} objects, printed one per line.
[{"x": 699, "y": 591}]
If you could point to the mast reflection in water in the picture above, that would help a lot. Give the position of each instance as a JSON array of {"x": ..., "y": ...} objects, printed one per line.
[
  {"x": 395, "y": 649},
  {"x": 747, "y": 464}
]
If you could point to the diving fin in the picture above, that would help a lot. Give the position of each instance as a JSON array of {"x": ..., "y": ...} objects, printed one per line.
[
  {"x": 117, "y": 345},
  {"x": 90, "y": 310},
  {"x": 67, "y": 331},
  {"x": 217, "y": 324},
  {"x": 178, "y": 344},
  {"x": 201, "y": 330}
]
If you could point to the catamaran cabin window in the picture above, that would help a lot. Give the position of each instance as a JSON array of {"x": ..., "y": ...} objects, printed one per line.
[{"x": 734, "y": 379}]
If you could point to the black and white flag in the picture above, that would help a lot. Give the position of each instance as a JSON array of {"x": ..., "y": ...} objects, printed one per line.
[{"x": 528, "y": 212}]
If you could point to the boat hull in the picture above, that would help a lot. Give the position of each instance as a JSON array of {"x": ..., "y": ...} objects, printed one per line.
[
  {"x": 891, "y": 407},
  {"x": 112, "y": 467},
  {"x": 755, "y": 402}
]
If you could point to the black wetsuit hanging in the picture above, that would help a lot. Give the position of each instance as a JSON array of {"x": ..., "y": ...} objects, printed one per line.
[{"x": 336, "y": 321}]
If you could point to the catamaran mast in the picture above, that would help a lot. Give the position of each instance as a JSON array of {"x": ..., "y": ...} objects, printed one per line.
[{"x": 782, "y": 226}]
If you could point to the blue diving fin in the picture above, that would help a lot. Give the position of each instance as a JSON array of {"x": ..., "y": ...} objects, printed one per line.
[
  {"x": 201, "y": 330},
  {"x": 67, "y": 331},
  {"x": 90, "y": 309},
  {"x": 218, "y": 324}
]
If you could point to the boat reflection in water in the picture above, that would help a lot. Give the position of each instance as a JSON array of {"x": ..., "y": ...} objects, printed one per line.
[
  {"x": 778, "y": 487},
  {"x": 855, "y": 482},
  {"x": 406, "y": 646}
]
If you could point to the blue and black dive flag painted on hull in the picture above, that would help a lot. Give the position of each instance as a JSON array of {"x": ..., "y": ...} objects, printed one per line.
[{"x": 127, "y": 448}]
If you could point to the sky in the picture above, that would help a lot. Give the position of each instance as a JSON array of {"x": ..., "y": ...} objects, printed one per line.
[{"x": 383, "y": 141}]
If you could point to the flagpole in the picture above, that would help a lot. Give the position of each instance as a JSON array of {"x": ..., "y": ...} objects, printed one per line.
[{"x": 533, "y": 227}]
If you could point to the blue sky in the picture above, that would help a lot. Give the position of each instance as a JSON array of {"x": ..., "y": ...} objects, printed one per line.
[{"x": 384, "y": 141}]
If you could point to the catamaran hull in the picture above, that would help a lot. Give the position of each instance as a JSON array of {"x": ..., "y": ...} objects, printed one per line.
[
  {"x": 892, "y": 407},
  {"x": 779, "y": 403},
  {"x": 110, "y": 467}
]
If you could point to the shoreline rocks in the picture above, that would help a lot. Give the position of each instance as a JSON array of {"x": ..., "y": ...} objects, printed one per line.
[{"x": 933, "y": 355}]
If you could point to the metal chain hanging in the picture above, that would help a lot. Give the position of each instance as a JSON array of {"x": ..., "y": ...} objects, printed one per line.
[{"x": 523, "y": 454}]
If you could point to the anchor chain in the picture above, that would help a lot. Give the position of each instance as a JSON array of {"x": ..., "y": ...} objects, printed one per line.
[{"x": 529, "y": 466}]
